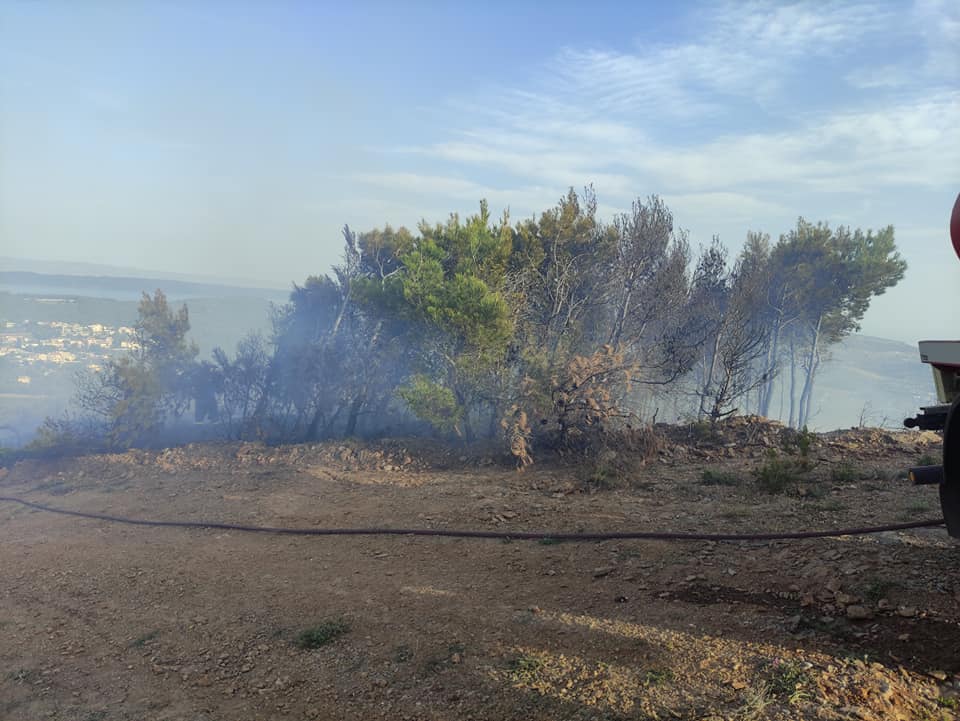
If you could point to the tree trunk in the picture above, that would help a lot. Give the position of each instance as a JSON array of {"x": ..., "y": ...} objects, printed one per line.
[
  {"x": 793, "y": 382},
  {"x": 314, "y": 426},
  {"x": 354, "y": 414},
  {"x": 772, "y": 350},
  {"x": 805, "y": 397},
  {"x": 493, "y": 422},
  {"x": 708, "y": 380},
  {"x": 617, "y": 330}
]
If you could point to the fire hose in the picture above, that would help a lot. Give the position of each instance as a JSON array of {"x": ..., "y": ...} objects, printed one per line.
[{"x": 506, "y": 535}]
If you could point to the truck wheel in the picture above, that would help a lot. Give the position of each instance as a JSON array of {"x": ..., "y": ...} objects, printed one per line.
[{"x": 950, "y": 488}]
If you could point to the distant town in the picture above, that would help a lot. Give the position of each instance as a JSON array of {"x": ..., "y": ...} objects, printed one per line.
[{"x": 34, "y": 348}]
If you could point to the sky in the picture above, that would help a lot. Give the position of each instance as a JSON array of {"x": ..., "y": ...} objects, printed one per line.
[{"x": 235, "y": 139}]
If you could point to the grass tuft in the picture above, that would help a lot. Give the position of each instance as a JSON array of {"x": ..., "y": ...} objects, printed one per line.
[
  {"x": 778, "y": 475},
  {"x": 844, "y": 473},
  {"x": 321, "y": 634},
  {"x": 525, "y": 669},
  {"x": 787, "y": 680},
  {"x": 719, "y": 478}
]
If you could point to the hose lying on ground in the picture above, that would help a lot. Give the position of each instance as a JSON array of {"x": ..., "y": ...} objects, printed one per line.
[{"x": 513, "y": 535}]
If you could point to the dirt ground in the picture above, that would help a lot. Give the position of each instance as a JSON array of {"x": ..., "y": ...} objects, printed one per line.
[{"x": 101, "y": 621}]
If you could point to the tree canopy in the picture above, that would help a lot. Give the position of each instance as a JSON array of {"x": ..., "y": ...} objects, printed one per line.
[{"x": 551, "y": 327}]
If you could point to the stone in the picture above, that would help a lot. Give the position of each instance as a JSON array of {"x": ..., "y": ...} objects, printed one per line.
[{"x": 857, "y": 612}]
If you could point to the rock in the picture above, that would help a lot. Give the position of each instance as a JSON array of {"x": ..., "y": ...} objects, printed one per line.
[
  {"x": 845, "y": 599},
  {"x": 602, "y": 571},
  {"x": 884, "y": 604},
  {"x": 906, "y": 611},
  {"x": 938, "y": 674},
  {"x": 857, "y": 612}
]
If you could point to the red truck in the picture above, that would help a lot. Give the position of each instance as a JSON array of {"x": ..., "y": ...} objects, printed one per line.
[{"x": 944, "y": 358}]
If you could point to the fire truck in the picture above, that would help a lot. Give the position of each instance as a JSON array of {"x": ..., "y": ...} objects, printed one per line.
[{"x": 944, "y": 359}]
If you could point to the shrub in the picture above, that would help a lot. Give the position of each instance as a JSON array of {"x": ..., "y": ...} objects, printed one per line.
[
  {"x": 321, "y": 634},
  {"x": 844, "y": 473},
  {"x": 787, "y": 680},
  {"x": 719, "y": 478},
  {"x": 778, "y": 475},
  {"x": 799, "y": 442}
]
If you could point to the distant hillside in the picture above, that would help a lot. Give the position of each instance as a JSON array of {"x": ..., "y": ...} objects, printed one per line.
[
  {"x": 881, "y": 379},
  {"x": 59, "y": 267},
  {"x": 124, "y": 288}
]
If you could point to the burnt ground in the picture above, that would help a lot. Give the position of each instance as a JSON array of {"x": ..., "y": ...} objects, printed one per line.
[{"x": 101, "y": 621}]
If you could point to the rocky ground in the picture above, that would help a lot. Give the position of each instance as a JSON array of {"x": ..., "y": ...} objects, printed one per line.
[{"x": 101, "y": 621}]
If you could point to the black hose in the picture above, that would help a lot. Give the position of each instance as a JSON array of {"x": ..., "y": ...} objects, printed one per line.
[{"x": 515, "y": 535}]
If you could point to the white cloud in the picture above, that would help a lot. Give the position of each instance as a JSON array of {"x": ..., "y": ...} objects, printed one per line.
[
  {"x": 682, "y": 121},
  {"x": 741, "y": 49}
]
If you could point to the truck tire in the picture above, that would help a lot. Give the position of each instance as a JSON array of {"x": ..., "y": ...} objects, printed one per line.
[{"x": 950, "y": 488}]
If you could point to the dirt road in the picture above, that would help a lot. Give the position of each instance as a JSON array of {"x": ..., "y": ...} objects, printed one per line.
[{"x": 101, "y": 621}]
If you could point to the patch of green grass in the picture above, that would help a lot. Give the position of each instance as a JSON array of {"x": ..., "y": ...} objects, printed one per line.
[
  {"x": 778, "y": 475},
  {"x": 787, "y": 680},
  {"x": 549, "y": 541},
  {"x": 657, "y": 676},
  {"x": 919, "y": 507},
  {"x": 321, "y": 634},
  {"x": 402, "y": 653},
  {"x": 601, "y": 478},
  {"x": 755, "y": 702},
  {"x": 23, "y": 675},
  {"x": 951, "y": 703},
  {"x": 719, "y": 478},
  {"x": 816, "y": 491},
  {"x": 144, "y": 639},
  {"x": 736, "y": 513},
  {"x": 525, "y": 669},
  {"x": 844, "y": 473},
  {"x": 878, "y": 589},
  {"x": 928, "y": 459}
]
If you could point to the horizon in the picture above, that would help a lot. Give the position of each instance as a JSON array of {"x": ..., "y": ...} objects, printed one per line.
[{"x": 182, "y": 140}]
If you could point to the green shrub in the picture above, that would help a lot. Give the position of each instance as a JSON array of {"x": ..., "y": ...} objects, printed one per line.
[
  {"x": 719, "y": 478},
  {"x": 321, "y": 634},
  {"x": 844, "y": 473},
  {"x": 778, "y": 475},
  {"x": 799, "y": 442},
  {"x": 432, "y": 402},
  {"x": 787, "y": 679},
  {"x": 525, "y": 668}
]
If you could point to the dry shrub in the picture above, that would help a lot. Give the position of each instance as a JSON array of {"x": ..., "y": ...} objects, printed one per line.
[
  {"x": 516, "y": 427},
  {"x": 614, "y": 458},
  {"x": 587, "y": 396}
]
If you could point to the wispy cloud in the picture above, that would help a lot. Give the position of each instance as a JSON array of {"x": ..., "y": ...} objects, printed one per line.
[
  {"x": 684, "y": 119},
  {"x": 739, "y": 49}
]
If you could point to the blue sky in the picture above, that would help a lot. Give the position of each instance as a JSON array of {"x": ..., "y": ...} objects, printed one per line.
[{"x": 236, "y": 138}]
